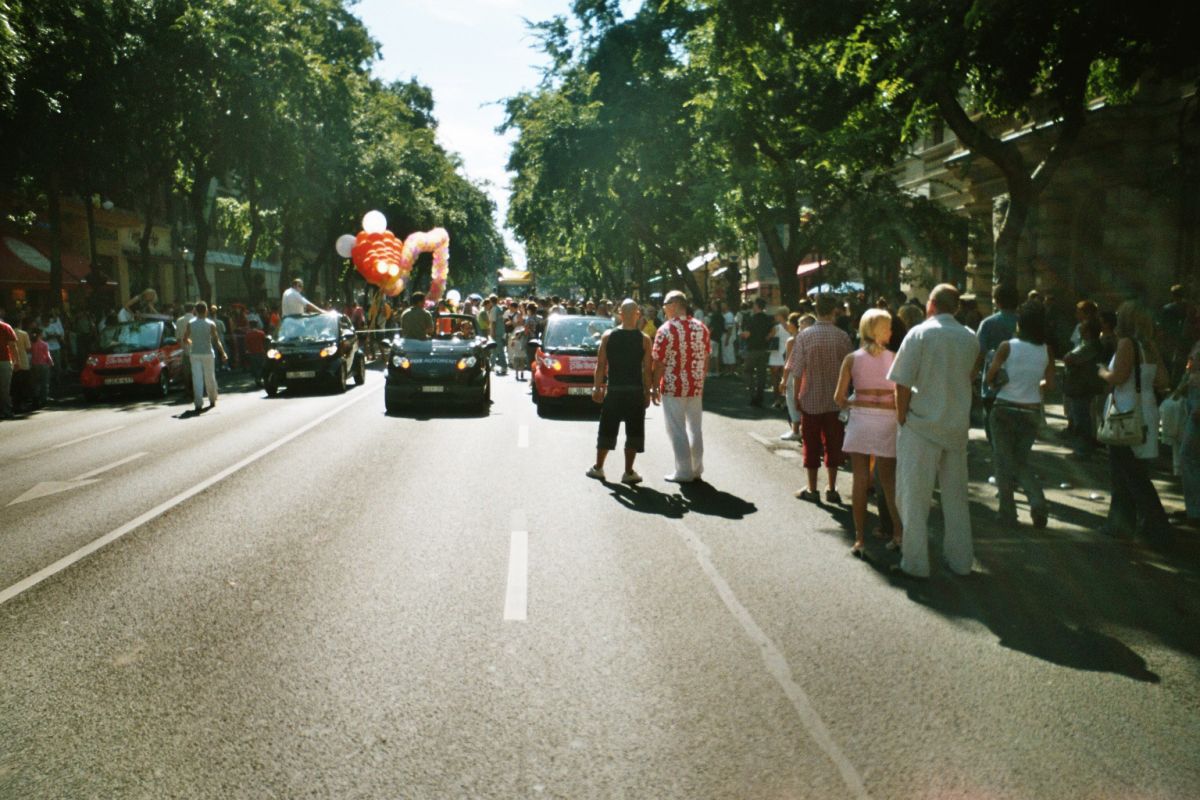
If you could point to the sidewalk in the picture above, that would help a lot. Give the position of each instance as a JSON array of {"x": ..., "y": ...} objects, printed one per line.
[{"x": 1077, "y": 489}]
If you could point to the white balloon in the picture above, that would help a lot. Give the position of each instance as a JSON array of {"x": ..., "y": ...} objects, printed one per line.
[
  {"x": 374, "y": 222},
  {"x": 454, "y": 296},
  {"x": 344, "y": 245}
]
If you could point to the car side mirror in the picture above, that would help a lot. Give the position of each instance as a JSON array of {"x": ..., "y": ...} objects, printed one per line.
[
  {"x": 170, "y": 341},
  {"x": 535, "y": 343},
  {"x": 491, "y": 345}
]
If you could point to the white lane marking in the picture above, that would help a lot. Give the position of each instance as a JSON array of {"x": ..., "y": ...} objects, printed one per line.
[
  {"x": 776, "y": 664},
  {"x": 107, "y": 467},
  {"x": 73, "y": 441},
  {"x": 523, "y": 436},
  {"x": 47, "y": 488},
  {"x": 161, "y": 508},
  {"x": 515, "y": 598}
]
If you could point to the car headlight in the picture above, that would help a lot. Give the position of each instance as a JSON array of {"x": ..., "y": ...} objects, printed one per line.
[
  {"x": 465, "y": 363},
  {"x": 92, "y": 361},
  {"x": 274, "y": 354},
  {"x": 400, "y": 362},
  {"x": 552, "y": 363},
  {"x": 330, "y": 350},
  {"x": 149, "y": 358}
]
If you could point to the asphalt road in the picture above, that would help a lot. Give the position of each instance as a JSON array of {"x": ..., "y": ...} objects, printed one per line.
[{"x": 304, "y": 597}]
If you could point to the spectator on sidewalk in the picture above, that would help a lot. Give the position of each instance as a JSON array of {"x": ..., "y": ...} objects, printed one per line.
[
  {"x": 40, "y": 363},
  {"x": 22, "y": 380},
  {"x": 256, "y": 350},
  {"x": 815, "y": 360},
  {"x": 778, "y": 351},
  {"x": 871, "y": 426},
  {"x": 622, "y": 387},
  {"x": 681, "y": 348},
  {"x": 1021, "y": 373},
  {"x": 1189, "y": 467},
  {"x": 499, "y": 334},
  {"x": 933, "y": 374},
  {"x": 8, "y": 341},
  {"x": 999, "y": 327},
  {"x": 1134, "y": 374},
  {"x": 1174, "y": 325},
  {"x": 1081, "y": 386},
  {"x": 56, "y": 339},
  {"x": 789, "y": 380},
  {"x": 756, "y": 336}
]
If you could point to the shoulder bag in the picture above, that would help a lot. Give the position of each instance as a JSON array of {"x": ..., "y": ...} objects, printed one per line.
[{"x": 1125, "y": 428}]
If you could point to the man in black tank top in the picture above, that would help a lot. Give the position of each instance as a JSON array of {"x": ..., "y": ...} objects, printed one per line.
[{"x": 622, "y": 387}]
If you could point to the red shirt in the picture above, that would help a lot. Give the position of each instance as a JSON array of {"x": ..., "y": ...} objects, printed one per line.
[
  {"x": 8, "y": 339},
  {"x": 256, "y": 341},
  {"x": 682, "y": 345}
]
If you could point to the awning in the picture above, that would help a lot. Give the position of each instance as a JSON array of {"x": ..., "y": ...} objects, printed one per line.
[
  {"x": 222, "y": 259},
  {"x": 809, "y": 267},
  {"x": 720, "y": 272},
  {"x": 514, "y": 277},
  {"x": 24, "y": 264}
]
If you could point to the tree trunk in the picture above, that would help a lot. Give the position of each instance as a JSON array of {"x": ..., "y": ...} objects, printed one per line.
[
  {"x": 144, "y": 243},
  {"x": 789, "y": 283},
  {"x": 90, "y": 214},
  {"x": 54, "y": 214},
  {"x": 256, "y": 229},
  {"x": 199, "y": 206},
  {"x": 285, "y": 256},
  {"x": 1005, "y": 266}
]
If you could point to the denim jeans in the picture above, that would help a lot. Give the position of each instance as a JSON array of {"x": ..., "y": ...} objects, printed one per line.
[
  {"x": 1013, "y": 433},
  {"x": 1083, "y": 427},
  {"x": 756, "y": 372}
]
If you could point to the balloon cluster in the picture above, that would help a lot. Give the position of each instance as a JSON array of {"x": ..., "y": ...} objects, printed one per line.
[{"x": 386, "y": 262}]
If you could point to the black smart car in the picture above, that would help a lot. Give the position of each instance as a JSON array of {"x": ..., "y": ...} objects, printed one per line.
[
  {"x": 314, "y": 349},
  {"x": 453, "y": 366}
]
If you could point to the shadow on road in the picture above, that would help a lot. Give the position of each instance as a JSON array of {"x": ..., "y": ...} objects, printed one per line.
[{"x": 698, "y": 497}]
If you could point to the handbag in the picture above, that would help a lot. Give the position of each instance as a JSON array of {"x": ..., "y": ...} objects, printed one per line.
[{"x": 1125, "y": 428}]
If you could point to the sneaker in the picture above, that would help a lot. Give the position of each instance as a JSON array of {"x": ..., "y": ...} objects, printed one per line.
[
  {"x": 790, "y": 436},
  {"x": 631, "y": 478},
  {"x": 677, "y": 479},
  {"x": 809, "y": 495},
  {"x": 595, "y": 472},
  {"x": 831, "y": 496}
]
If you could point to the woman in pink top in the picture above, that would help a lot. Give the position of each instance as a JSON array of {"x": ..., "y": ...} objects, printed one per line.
[
  {"x": 41, "y": 363},
  {"x": 871, "y": 428}
]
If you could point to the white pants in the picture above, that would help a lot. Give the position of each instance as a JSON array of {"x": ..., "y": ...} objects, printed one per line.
[
  {"x": 683, "y": 415},
  {"x": 204, "y": 374},
  {"x": 790, "y": 391},
  {"x": 919, "y": 464}
]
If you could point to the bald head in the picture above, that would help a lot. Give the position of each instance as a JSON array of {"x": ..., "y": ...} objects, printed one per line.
[
  {"x": 944, "y": 299},
  {"x": 629, "y": 312}
]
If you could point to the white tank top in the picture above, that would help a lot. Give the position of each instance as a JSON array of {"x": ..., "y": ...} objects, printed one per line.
[{"x": 1026, "y": 367}]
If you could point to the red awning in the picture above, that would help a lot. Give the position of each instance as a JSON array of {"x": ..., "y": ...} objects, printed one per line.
[
  {"x": 809, "y": 268},
  {"x": 24, "y": 264}
]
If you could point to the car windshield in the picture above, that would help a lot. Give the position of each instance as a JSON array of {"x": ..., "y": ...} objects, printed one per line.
[
  {"x": 315, "y": 328},
  {"x": 127, "y": 337},
  {"x": 575, "y": 334}
]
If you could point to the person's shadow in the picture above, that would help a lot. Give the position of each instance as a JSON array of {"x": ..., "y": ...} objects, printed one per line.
[{"x": 696, "y": 497}]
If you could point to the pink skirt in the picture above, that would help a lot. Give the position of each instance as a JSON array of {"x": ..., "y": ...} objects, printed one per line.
[{"x": 871, "y": 431}]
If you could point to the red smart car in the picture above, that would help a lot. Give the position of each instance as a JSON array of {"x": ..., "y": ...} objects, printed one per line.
[
  {"x": 143, "y": 354},
  {"x": 565, "y": 363}
]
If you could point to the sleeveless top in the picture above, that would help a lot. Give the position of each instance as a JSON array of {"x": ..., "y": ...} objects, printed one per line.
[
  {"x": 872, "y": 390},
  {"x": 625, "y": 353},
  {"x": 200, "y": 329},
  {"x": 1124, "y": 396},
  {"x": 1026, "y": 367}
]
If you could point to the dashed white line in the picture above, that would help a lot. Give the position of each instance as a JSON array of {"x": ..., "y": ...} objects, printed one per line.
[
  {"x": 75, "y": 441},
  {"x": 516, "y": 596},
  {"x": 161, "y": 508}
]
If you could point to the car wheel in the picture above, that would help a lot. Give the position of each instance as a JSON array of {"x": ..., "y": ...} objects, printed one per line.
[
  {"x": 340, "y": 381},
  {"x": 360, "y": 370},
  {"x": 485, "y": 397},
  {"x": 271, "y": 384},
  {"x": 391, "y": 403},
  {"x": 90, "y": 395}
]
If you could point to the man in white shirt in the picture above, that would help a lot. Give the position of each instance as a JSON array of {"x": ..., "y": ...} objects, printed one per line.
[
  {"x": 933, "y": 372},
  {"x": 54, "y": 334},
  {"x": 294, "y": 301}
]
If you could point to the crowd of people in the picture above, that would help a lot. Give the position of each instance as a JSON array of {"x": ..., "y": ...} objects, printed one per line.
[{"x": 892, "y": 385}]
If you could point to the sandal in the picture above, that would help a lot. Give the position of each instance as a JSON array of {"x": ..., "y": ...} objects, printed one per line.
[{"x": 858, "y": 550}]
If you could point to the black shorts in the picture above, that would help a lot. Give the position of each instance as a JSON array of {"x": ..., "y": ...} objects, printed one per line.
[{"x": 626, "y": 405}]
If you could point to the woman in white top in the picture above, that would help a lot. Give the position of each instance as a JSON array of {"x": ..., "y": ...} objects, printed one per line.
[
  {"x": 775, "y": 359},
  {"x": 1135, "y": 504},
  {"x": 1021, "y": 372}
]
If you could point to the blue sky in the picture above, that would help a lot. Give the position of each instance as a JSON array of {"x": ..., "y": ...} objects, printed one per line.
[{"x": 472, "y": 53}]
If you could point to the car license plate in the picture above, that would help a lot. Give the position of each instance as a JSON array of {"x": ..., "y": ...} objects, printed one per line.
[
  {"x": 579, "y": 390},
  {"x": 304, "y": 374},
  {"x": 433, "y": 388},
  {"x": 112, "y": 381}
]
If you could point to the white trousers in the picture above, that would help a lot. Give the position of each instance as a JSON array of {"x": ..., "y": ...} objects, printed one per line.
[
  {"x": 683, "y": 416},
  {"x": 204, "y": 374},
  {"x": 920, "y": 463}
]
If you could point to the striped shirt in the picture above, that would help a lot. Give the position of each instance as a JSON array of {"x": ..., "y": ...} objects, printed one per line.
[
  {"x": 816, "y": 360},
  {"x": 682, "y": 346}
]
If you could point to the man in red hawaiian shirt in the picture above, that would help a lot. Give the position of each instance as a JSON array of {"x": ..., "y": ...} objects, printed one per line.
[{"x": 681, "y": 349}]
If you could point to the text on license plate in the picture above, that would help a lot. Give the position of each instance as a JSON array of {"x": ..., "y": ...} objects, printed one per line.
[
  {"x": 111, "y": 381},
  {"x": 433, "y": 388},
  {"x": 579, "y": 390},
  {"x": 302, "y": 374}
]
